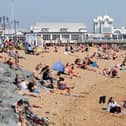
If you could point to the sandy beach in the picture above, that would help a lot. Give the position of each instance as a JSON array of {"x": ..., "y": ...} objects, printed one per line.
[{"x": 83, "y": 108}]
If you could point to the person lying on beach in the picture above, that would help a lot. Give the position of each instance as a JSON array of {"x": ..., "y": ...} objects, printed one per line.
[
  {"x": 73, "y": 72},
  {"x": 69, "y": 70},
  {"x": 32, "y": 90},
  {"x": 83, "y": 65}
]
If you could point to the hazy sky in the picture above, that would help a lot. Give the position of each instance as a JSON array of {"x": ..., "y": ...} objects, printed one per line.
[{"x": 31, "y": 11}]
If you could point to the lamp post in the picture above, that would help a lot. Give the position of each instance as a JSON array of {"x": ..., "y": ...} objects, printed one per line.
[
  {"x": 16, "y": 23},
  {"x": 4, "y": 21},
  {"x": 12, "y": 18}
]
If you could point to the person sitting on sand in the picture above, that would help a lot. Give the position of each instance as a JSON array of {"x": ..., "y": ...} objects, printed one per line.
[
  {"x": 88, "y": 60},
  {"x": 72, "y": 72},
  {"x": 66, "y": 50},
  {"x": 94, "y": 55},
  {"x": 36, "y": 73},
  {"x": 17, "y": 79},
  {"x": 32, "y": 88},
  {"x": 67, "y": 68},
  {"x": 71, "y": 49},
  {"x": 47, "y": 76},
  {"x": 113, "y": 107},
  {"x": 106, "y": 72},
  {"x": 106, "y": 56},
  {"x": 10, "y": 62},
  {"x": 114, "y": 56},
  {"x": 55, "y": 49},
  {"x": 29, "y": 49},
  {"x": 124, "y": 62},
  {"x": 62, "y": 87},
  {"x": 114, "y": 72},
  {"x": 39, "y": 66},
  {"x": 83, "y": 65},
  {"x": 77, "y": 61},
  {"x": 22, "y": 84},
  {"x": 18, "y": 108},
  {"x": 81, "y": 47}
]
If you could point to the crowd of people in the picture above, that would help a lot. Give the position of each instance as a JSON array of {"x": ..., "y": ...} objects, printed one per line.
[{"x": 57, "y": 83}]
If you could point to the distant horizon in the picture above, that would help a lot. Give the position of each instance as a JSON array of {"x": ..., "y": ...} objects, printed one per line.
[{"x": 32, "y": 11}]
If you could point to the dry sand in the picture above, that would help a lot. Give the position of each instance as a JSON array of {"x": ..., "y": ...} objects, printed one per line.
[{"x": 84, "y": 109}]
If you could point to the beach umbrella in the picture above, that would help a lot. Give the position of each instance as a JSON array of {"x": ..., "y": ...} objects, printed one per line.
[{"x": 58, "y": 66}]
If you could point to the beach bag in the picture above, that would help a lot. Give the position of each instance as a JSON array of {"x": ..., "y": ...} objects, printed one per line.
[
  {"x": 102, "y": 99},
  {"x": 94, "y": 64}
]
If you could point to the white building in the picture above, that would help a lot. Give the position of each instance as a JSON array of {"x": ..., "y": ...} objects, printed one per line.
[
  {"x": 119, "y": 33},
  {"x": 63, "y": 32},
  {"x": 103, "y": 25}
]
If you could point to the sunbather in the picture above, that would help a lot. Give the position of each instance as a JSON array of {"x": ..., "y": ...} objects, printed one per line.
[
  {"x": 62, "y": 87},
  {"x": 32, "y": 88}
]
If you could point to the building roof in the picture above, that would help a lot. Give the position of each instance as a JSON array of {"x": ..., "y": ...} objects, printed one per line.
[
  {"x": 103, "y": 19},
  {"x": 56, "y": 27}
]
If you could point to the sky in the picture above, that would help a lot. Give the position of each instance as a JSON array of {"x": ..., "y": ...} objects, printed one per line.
[{"x": 31, "y": 11}]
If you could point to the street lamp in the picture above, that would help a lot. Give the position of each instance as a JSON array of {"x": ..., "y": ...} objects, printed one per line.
[
  {"x": 16, "y": 23},
  {"x": 4, "y": 21}
]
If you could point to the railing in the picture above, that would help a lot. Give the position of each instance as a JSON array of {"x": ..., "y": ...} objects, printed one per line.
[{"x": 88, "y": 41}]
